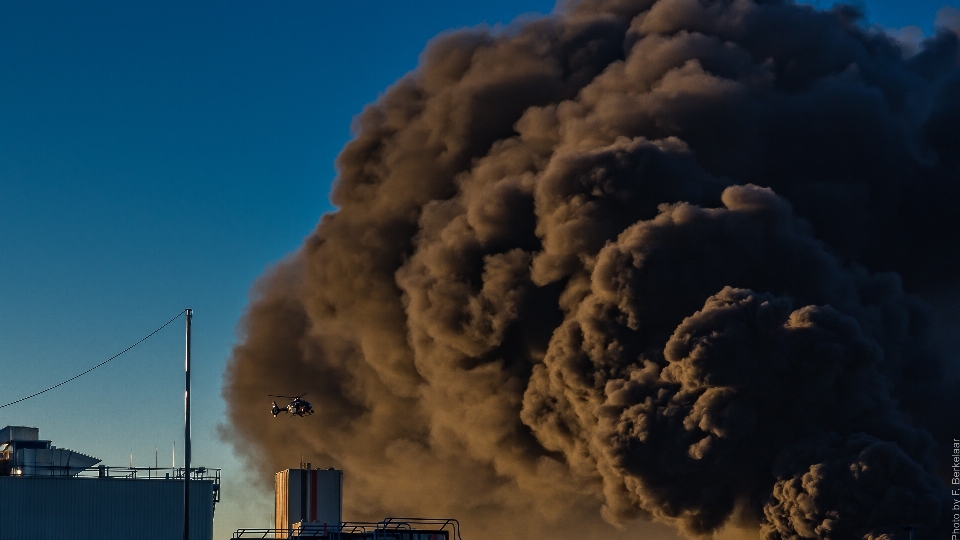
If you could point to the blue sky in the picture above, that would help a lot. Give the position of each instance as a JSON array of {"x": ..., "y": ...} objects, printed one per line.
[{"x": 161, "y": 155}]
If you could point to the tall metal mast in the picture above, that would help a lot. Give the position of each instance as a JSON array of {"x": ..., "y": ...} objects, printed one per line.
[{"x": 186, "y": 436}]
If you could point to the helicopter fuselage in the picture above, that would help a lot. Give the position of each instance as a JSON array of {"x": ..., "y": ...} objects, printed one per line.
[{"x": 297, "y": 407}]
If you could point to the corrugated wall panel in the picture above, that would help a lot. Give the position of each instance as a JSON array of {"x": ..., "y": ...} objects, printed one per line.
[
  {"x": 287, "y": 498},
  {"x": 281, "y": 502},
  {"x": 38, "y": 508}
]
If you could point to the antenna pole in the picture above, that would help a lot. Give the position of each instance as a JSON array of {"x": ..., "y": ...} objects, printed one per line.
[{"x": 186, "y": 436}]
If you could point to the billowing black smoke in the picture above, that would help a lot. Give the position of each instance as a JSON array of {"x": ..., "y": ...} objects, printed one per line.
[{"x": 666, "y": 260}]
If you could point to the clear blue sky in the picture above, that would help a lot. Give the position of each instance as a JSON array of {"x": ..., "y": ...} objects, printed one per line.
[{"x": 160, "y": 155}]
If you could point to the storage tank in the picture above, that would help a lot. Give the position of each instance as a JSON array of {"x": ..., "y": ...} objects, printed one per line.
[{"x": 309, "y": 496}]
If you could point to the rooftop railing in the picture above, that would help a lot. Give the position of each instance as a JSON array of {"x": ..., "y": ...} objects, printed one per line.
[
  {"x": 139, "y": 473},
  {"x": 388, "y": 529},
  {"x": 151, "y": 473},
  {"x": 156, "y": 473}
]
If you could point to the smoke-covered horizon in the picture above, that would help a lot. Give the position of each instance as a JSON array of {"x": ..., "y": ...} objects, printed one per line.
[{"x": 685, "y": 262}]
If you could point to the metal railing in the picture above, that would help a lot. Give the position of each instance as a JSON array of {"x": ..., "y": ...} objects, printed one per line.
[
  {"x": 140, "y": 473},
  {"x": 156, "y": 473},
  {"x": 389, "y": 529},
  {"x": 347, "y": 527},
  {"x": 152, "y": 473},
  {"x": 441, "y": 523}
]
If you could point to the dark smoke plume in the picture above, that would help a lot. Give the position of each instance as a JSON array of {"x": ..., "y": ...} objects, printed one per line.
[{"x": 688, "y": 261}]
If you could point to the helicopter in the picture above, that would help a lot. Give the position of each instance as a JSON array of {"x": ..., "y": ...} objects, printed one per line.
[{"x": 296, "y": 407}]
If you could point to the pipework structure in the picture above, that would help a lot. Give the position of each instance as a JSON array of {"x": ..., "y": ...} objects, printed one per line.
[{"x": 308, "y": 504}]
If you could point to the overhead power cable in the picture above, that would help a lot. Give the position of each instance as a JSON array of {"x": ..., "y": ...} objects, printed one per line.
[{"x": 148, "y": 336}]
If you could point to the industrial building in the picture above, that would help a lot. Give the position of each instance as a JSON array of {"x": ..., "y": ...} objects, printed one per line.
[
  {"x": 50, "y": 493},
  {"x": 308, "y": 504},
  {"x": 309, "y": 496}
]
